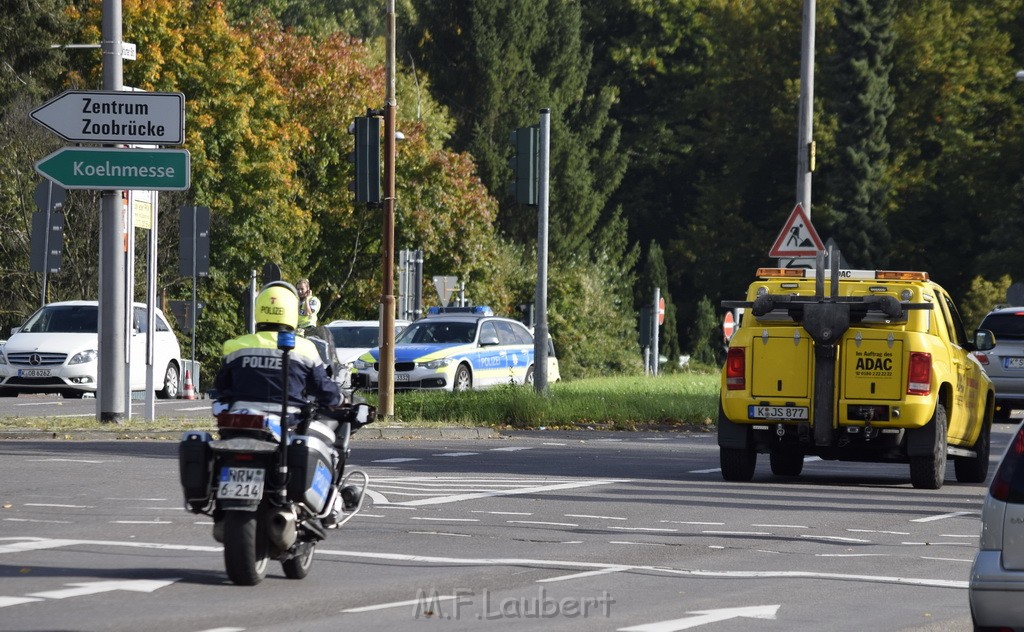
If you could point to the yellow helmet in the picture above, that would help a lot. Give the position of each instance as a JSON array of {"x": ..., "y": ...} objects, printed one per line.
[{"x": 278, "y": 304}]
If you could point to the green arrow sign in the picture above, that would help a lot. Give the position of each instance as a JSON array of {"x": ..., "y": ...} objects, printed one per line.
[{"x": 136, "y": 169}]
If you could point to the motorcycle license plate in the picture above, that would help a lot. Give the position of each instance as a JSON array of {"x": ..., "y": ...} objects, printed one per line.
[
  {"x": 777, "y": 412},
  {"x": 245, "y": 483}
]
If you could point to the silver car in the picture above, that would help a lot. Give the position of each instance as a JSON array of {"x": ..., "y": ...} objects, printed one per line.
[
  {"x": 1004, "y": 364},
  {"x": 997, "y": 577}
]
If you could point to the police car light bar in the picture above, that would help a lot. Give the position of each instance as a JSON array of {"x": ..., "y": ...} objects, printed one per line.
[{"x": 859, "y": 275}]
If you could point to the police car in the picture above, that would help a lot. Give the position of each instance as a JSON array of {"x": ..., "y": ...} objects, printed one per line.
[{"x": 455, "y": 349}]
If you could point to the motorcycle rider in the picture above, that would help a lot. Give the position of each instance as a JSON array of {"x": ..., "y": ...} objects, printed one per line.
[
  {"x": 250, "y": 371},
  {"x": 251, "y": 366}
]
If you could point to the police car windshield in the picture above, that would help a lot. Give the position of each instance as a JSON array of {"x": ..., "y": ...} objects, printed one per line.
[
  {"x": 64, "y": 319},
  {"x": 432, "y": 332}
]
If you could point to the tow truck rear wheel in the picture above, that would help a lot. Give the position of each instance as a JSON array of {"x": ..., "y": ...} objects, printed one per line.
[
  {"x": 929, "y": 470},
  {"x": 786, "y": 462},
  {"x": 737, "y": 464}
]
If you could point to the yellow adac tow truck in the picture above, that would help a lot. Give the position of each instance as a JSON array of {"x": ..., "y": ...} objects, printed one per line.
[{"x": 866, "y": 365}]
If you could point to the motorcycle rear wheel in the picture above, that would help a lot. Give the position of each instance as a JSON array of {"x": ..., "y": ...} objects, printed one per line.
[
  {"x": 246, "y": 550},
  {"x": 298, "y": 566}
]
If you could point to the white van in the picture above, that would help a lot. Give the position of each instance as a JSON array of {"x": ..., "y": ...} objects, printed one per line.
[{"x": 57, "y": 351}]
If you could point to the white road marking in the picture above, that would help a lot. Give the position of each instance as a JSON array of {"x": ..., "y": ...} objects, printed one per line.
[
  {"x": 595, "y": 517},
  {"x": 377, "y": 497},
  {"x": 141, "y": 522},
  {"x": 399, "y": 604},
  {"x": 551, "y": 524},
  {"x": 601, "y": 571},
  {"x": 223, "y": 630},
  {"x": 14, "y": 601},
  {"x": 953, "y": 535},
  {"x": 708, "y": 471},
  {"x": 851, "y": 555},
  {"x": 781, "y": 526},
  {"x": 32, "y": 520},
  {"x": 947, "y": 559},
  {"x": 194, "y": 408},
  {"x": 394, "y": 460},
  {"x": 511, "y": 449},
  {"x": 875, "y": 531},
  {"x": 59, "y": 506},
  {"x": 58, "y": 460},
  {"x": 707, "y": 524},
  {"x": 637, "y": 543},
  {"x": 954, "y": 514},
  {"x": 834, "y": 538},
  {"x": 559, "y": 444},
  {"x": 456, "y": 454},
  {"x": 652, "y": 529},
  {"x": 509, "y": 492},
  {"x": 446, "y": 519},
  {"x": 456, "y": 535},
  {"x": 705, "y": 616},
  {"x": 93, "y": 588},
  {"x": 503, "y": 513},
  {"x": 735, "y": 533}
]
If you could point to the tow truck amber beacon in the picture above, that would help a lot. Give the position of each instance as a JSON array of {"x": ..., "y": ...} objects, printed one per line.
[{"x": 879, "y": 369}]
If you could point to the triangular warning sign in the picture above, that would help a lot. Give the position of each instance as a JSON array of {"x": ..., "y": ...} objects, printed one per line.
[{"x": 798, "y": 237}]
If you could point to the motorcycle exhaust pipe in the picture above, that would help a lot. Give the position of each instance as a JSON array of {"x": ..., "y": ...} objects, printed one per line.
[{"x": 281, "y": 528}]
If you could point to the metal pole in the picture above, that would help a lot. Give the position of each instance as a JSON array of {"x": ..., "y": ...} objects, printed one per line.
[
  {"x": 386, "y": 376},
  {"x": 252, "y": 303},
  {"x": 110, "y": 390},
  {"x": 151, "y": 309},
  {"x": 46, "y": 241},
  {"x": 805, "y": 142},
  {"x": 195, "y": 280},
  {"x": 540, "y": 332},
  {"x": 655, "y": 347}
]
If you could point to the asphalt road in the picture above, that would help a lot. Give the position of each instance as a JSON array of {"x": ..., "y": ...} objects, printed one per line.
[{"x": 537, "y": 530}]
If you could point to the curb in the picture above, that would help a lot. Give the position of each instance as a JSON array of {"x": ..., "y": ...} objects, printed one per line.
[{"x": 175, "y": 435}]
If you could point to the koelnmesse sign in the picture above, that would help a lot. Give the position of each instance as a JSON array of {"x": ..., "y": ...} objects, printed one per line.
[{"x": 117, "y": 169}]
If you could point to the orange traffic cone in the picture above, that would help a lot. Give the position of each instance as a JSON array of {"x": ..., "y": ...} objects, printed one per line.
[{"x": 189, "y": 391}]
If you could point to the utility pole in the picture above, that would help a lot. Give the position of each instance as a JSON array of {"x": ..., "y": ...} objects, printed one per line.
[
  {"x": 111, "y": 400},
  {"x": 805, "y": 142},
  {"x": 540, "y": 330},
  {"x": 386, "y": 375}
]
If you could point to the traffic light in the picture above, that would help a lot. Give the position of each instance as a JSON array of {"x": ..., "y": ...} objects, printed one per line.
[
  {"x": 526, "y": 142},
  {"x": 366, "y": 158}
]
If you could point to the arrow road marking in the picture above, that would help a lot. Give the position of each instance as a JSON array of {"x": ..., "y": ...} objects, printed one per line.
[
  {"x": 706, "y": 616},
  {"x": 92, "y": 588}
]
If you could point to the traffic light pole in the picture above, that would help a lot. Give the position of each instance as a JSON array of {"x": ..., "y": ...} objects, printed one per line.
[{"x": 386, "y": 375}]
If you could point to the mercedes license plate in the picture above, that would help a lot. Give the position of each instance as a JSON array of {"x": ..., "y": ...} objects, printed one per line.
[
  {"x": 777, "y": 412},
  {"x": 244, "y": 483},
  {"x": 1013, "y": 363},
  {"x": 33, "y": 372},
  {"x": 401, "y": 377}
]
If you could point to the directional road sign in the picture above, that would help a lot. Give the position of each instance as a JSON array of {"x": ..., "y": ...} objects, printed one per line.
[
  {"x": 118, "y": 169},
  {"x": 81, "y": 116}
]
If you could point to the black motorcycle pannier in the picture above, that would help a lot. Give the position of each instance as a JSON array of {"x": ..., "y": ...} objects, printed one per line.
[{"x": 195, "y": 465}]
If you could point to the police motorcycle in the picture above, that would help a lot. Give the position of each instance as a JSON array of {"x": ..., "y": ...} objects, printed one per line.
[{"x": 273, "y": 488}]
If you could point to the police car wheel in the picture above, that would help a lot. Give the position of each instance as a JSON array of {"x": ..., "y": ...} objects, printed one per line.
[
  {"x": 463, "y": 379},
  {"x": 528, "y": 380}
]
